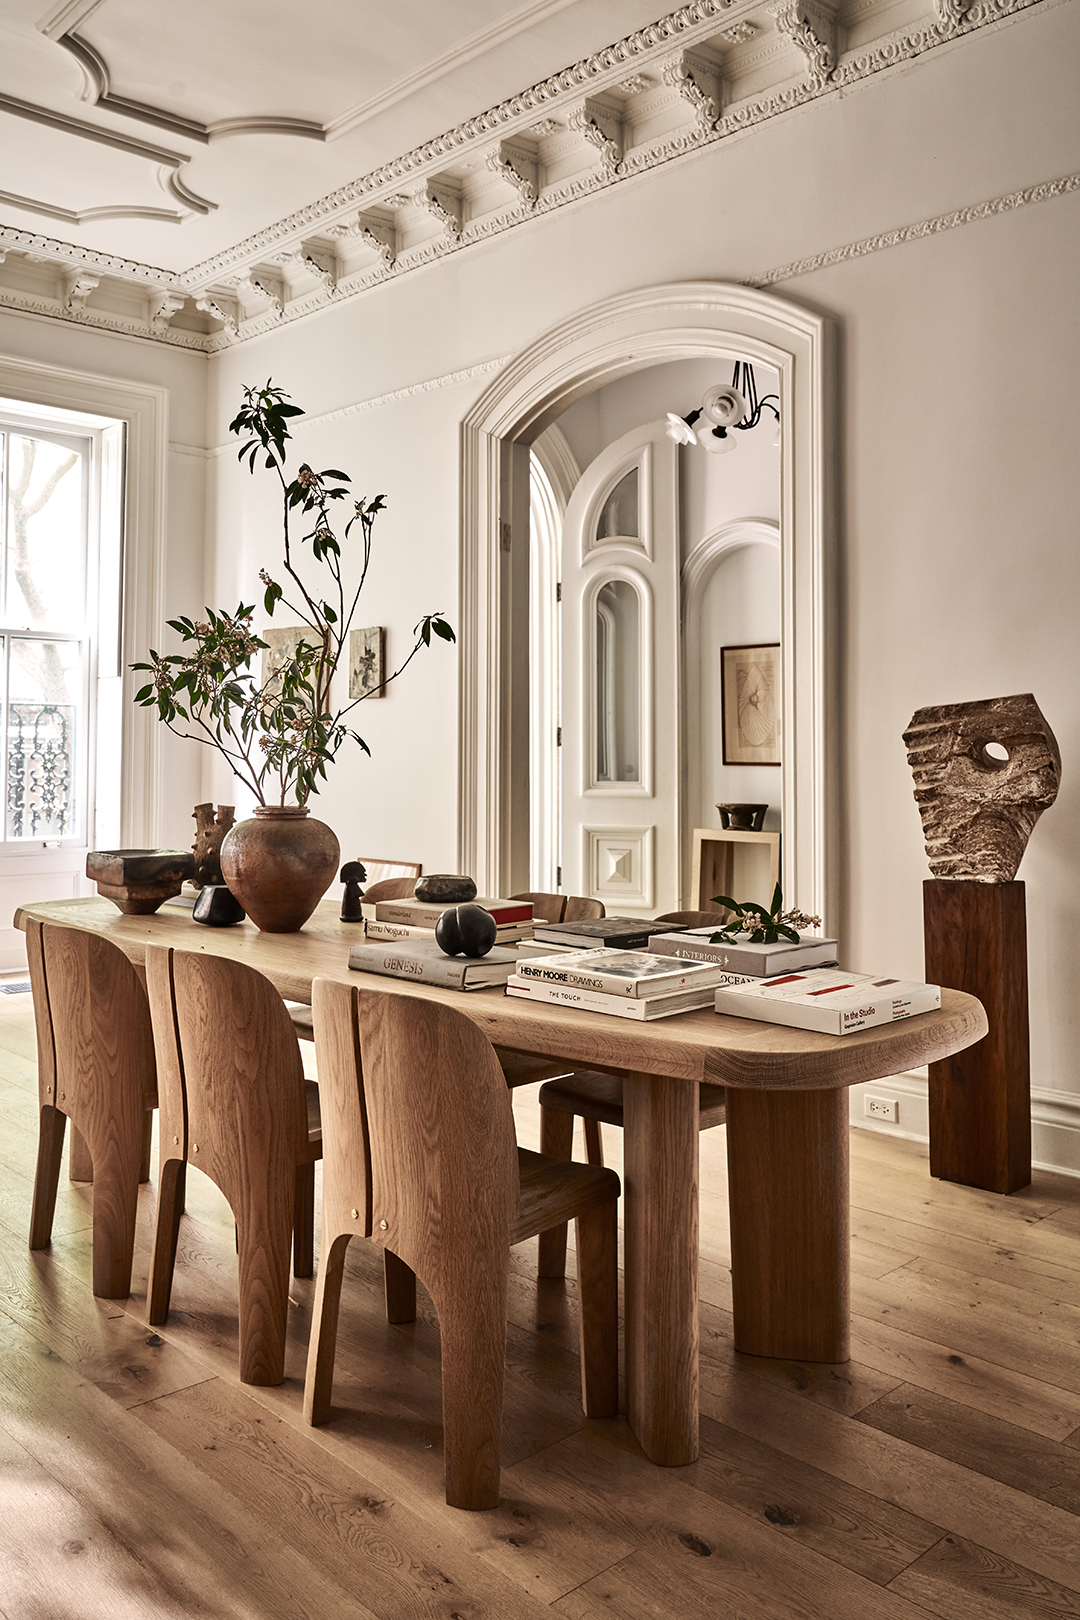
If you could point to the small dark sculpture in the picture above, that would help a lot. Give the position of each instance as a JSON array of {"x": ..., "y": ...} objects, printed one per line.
[
  {"x": 984, "y": 773},
  {"x": 742, "y": 817},
  {"x": 138, "y": 881},
  {"x": 209, "y": 835},
  {"x": 353, "y": 874},
  {"x": 452, "y": 890},
  {"x": 217, "y": 907},
  {"x": 465, "y": 931}
]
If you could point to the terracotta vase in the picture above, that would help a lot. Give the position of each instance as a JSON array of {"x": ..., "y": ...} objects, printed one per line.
[{"x": 279, "y": 865}]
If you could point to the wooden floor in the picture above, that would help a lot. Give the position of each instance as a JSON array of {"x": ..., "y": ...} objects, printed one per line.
[{"x": 937, "y": 1473}]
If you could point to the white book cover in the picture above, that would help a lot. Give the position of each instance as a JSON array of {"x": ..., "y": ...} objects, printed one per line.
[
  {"x": 627, "y": 973},
  {"x": 644, "y": 1008},
  {"x": 740, "y": 956},
  {"x": 829, "y": 1000}
]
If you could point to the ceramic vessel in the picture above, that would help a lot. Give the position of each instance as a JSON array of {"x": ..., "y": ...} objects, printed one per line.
[{"x": 279, "y": 865}]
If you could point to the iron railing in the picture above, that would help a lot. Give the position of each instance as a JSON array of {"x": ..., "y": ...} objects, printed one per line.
[{"x": 41, "y": 770}]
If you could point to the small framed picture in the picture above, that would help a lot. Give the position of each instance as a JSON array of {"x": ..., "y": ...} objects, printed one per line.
[
  {"x": 750, "y": 704},
  {"x": 366, "y": 662},
  {"x": 281, "y": 650}
]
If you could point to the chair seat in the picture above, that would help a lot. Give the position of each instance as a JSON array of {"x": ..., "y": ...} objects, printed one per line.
[
  {"x": 300, "y": 1013},
  {"x": 554, "y": 1191},
  {"x": 592, "y": 1095},
  {"x": 526, "y": 1068}
]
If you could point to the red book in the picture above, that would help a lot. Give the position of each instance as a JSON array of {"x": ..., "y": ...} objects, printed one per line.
[{"x": 418, "y": 911}]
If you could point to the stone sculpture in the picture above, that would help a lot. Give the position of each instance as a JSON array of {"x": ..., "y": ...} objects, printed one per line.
[{"x": 984, "y": 773}]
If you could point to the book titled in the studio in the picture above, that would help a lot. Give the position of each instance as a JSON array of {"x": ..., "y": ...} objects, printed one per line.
[{"x": 828, "y": 1000}]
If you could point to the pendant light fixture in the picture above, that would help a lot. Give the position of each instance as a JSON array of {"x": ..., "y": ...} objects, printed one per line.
[{"x": 722, "y": 410}]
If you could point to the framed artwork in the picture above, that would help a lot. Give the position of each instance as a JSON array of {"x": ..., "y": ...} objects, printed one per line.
[
  {"x": 366, "y": 662},
  {"x": 750, "y": 704},
  {"x": 281, "y": 649}
]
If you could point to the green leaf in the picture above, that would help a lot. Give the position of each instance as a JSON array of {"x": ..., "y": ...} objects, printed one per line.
[{"x": 726, "y": 902}]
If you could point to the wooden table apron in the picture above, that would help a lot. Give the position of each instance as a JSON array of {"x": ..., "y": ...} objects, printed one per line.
[{"x": 787, "y": 1144}]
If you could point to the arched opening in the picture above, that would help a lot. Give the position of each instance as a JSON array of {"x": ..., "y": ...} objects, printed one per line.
[{"x": 643, "y": 329}]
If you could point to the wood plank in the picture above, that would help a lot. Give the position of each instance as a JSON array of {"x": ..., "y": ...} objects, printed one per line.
[
  {"x": 976, "y": 1255},
  {"x": 1035, "y": 1534},
  {"x": 958, "y": 1579},
  {"x": 1026, "y": 1461}
]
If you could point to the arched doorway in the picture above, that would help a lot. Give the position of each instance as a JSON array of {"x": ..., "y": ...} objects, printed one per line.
[{"x": 594, "y": 347}]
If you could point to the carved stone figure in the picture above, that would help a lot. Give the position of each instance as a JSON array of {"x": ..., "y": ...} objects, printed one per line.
[
  {"x": 209, "y": 834},
  {"x": 984, "y": 773}
]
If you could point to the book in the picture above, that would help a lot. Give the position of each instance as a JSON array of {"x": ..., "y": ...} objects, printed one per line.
[
  {"x": 759, "y": 961},
  {"x": 829, "y": 1000},
  {"x": 419, "y": 911},
  {"x": 644, "y": 1008},
  {"x": 626, "y": 973},
  {"x": 508, "y": 935},
  {"x": 620, "y": 933},
  {"x": 424, "y": 963}
]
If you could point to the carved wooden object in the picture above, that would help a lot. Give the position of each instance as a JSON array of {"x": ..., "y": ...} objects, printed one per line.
[
  {"x": 984, "y": 773},
  {"x": 209, "y": 833}
]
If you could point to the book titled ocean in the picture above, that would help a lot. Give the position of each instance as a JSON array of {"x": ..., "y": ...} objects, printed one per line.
[{"x": 828, "y": 1000}]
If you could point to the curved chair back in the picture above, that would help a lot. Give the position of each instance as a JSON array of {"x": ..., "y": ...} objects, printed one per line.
[
  {"x": 546, "y": 907},
  {"x": 96, "y": 1068},
  {"x": 580, "y": 909},
  {"x": 389, "y": 889},
  {"x": 694, "y": 919},
  {"x": 234, "y": 1104}
]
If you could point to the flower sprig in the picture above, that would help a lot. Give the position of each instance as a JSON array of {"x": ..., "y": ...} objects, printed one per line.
[
  {"x": 763, "y": 927},
  {"x": 281, "y": 732}
]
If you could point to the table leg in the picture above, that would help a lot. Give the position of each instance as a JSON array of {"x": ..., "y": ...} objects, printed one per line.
[
  {"x": 660, "y": 1228},
  {"x": 788, "y": 1193}
]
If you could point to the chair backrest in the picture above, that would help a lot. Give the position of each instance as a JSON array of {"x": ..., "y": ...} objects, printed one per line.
[
  {"x": 549, "y": 907},
  {"x": 389, "y": 889},
  {"x": 378, "y": 870},
  {"x": 417, "y": 1122},
  {"x": 95, "y": 1044},
  {"x": 230, "y": 1074},
  {"x": 579, "y": 909},
  {"x": 694, "y": 919}
]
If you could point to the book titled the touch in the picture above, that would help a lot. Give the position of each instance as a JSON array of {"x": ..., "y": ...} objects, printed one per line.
[
  {"x": 625, "y": 973},
  {"x": 828, "y": 1000},
  {"x": 424, "y": 963},
  {"x": 759, "y": 961},
  {"x": 644, "y": 1008}
]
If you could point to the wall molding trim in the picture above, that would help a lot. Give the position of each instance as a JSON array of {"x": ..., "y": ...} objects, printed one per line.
[
  {"x": 354, "y": 250},
  {"x": 1055, "y": 1119},
  {"x": 596, "y": 346}
]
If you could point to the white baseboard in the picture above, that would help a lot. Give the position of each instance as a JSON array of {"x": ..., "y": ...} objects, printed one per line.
[{"x": 1055, "y": 1119}]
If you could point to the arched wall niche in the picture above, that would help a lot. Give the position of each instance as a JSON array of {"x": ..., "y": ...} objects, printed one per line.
[{"x": 689, "y": 320}]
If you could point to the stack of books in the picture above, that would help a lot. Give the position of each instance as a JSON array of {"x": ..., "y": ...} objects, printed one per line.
[
  {"x": 422, "y": 961},
  {"x": 758, "y": 961},
  {"x": 416, "y": 919},
  {"x": 829, "y": 1000},
  {"x": 626, "y": 984}
]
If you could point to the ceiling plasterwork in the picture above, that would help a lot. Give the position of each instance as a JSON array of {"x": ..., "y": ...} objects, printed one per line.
[{"x": 708, "y": 70}]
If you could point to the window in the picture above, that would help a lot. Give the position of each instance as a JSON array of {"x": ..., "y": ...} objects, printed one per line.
[{"x": 60, "y": 481}]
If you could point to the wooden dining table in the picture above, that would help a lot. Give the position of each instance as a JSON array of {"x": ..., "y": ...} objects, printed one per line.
[{"x": 787, "y": 1142}]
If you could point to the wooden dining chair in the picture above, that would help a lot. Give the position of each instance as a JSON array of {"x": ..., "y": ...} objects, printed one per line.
[
  {"x": 235, "y": 1104},
  {"x": 379, "y": 869},
  {"x": 548, "y": 907},
  {"x": 389, "y": 889},
  {"x": 96, "y": 1069},
  {"x": 421, "y": 1157}
]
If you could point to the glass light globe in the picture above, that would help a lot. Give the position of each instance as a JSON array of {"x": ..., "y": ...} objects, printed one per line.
[
  {"x": 679, "y": 429},
  {"x": 715, "y": 446}
]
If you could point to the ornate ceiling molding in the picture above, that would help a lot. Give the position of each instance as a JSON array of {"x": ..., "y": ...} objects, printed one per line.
[{"x": 501, "y": 170}]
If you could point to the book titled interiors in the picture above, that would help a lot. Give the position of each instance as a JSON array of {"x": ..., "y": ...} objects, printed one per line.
[
  {"x": 759, "y": 961},
  {"x": 644, "y": 1008},
  {"x": 625, "y": 973},
  {"x": 828, "y": 1000},
  {"x": 424, "y": 963}
]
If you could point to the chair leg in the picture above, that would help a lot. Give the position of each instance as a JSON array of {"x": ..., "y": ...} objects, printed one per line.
[
  {"x": 147, "y": 1145},
  {"x": 594, "y": 1144},
  {"x": 170, "y": 1207},
  {"x": 399, "y": 1283},
  {"x": 47, "y": 1175},
  {"x": 80, "y": 1164},
  {"x": 597, "y": 1234},
  {"x": 265, "y": 1244},
  {"x": 556, "y": 1142},
  {"x": 472, "y": 1327},
  {"x": 116, "y": 1203},
  {"x": 304, "y": 1221},
  {"x": 318, "y": 1384}
]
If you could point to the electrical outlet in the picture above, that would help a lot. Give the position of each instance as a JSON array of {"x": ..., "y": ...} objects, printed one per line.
[{"x": 882, "y": 1108}]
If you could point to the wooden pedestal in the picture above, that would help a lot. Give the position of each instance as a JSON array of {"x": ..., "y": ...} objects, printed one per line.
[{"x": 980, "y": 1099}]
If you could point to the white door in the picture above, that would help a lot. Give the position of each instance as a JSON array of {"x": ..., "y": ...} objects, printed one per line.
[{"x": 620, "y": 678}]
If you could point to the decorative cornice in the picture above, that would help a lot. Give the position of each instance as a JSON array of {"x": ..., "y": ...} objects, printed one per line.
[
  {"x": 68, "y": 253},
  {"x": 794, "y": 20},
  {"x": 913, "y": 233}
]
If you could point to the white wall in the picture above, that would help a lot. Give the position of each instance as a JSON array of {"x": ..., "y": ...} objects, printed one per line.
[{"x": 957, "y": 564}]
